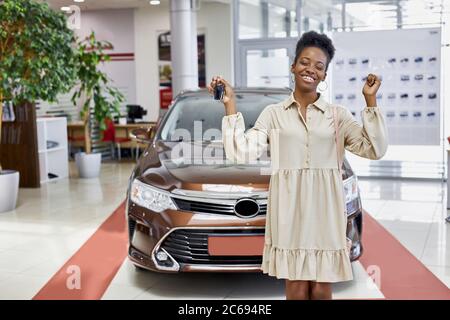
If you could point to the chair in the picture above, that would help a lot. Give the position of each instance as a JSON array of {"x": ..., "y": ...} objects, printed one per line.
[{"x": 109, "y": 135}]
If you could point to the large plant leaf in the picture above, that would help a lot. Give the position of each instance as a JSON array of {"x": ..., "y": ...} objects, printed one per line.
[{"x": 37, "y": 58}]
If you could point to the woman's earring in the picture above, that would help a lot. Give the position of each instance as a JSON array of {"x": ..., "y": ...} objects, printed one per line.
[
  {"x": 323, "y": 89},
  {"x": 292, "y": 79}
]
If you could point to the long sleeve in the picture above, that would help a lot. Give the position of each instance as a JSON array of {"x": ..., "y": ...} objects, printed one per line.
[
  {"x": 369, "y": 140},
  {"x": 243, "y": 147}
]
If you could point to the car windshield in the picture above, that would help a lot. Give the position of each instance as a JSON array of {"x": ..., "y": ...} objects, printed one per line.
[{"x": 199, "y": 117}]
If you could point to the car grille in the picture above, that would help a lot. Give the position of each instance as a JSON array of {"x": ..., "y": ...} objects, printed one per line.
[
  {"x": 191, "y": 246},
  {"x": 213, "y": 208}
]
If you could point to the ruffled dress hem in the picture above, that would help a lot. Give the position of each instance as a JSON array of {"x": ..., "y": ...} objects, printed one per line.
[{"x": 307, "y": 264}]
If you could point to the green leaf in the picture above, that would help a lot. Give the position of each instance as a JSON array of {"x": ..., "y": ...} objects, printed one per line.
[
  {"x": 94, "y": 83},
  {"x": 37, "y": 36}
]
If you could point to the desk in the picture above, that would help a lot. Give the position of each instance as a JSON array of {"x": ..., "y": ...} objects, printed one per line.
[
  {"x": 124, "y": 131},
  {"x": 75, "y": 132}
]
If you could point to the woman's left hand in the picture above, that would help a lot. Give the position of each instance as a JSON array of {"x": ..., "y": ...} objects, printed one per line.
[{"x": 371, "y": 86}]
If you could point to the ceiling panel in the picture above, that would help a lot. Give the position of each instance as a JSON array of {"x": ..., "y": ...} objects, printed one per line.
[
  {"x": 103, "y": 4},
  {"x": 113, "y": 4}
]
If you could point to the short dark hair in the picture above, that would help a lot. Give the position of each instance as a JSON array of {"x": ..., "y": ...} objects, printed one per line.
[{"x": 314, "y": 39}]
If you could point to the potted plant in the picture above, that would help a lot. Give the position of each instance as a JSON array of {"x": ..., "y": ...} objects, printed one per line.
[
  {"x": 99, "y": 101},
  {"x": 36, "y": 63}
]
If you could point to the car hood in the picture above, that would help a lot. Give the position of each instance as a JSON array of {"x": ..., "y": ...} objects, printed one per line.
[{"x": 200, "y": 166}]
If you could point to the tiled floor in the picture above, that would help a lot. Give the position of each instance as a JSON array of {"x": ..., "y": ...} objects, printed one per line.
[
  {"x": 414, "y": 212},
  {"x": 52, "y": 222},
  {"x": 132, "y": 284}
]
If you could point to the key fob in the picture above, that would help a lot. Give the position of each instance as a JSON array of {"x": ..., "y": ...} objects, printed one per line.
[{"x": 219, "y": 90}]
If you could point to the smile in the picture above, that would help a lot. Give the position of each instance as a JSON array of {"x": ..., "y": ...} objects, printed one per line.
[{"x": 308, "y": 79}]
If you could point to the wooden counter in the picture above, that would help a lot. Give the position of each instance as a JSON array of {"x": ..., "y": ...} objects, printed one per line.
[{"x": 75, "y": 133}]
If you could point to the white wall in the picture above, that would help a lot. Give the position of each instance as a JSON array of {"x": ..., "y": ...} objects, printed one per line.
[
  {"x": 114, "y": 25},
  {"x": 214, "y": 19},
  {"x": 135, "y": 31},
  {"x": 117, "y": 27},
  {"x": 147, "y": 21}
]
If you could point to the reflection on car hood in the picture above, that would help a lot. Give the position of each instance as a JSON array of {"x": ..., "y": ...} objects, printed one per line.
[{"x": 201, "y": 166}]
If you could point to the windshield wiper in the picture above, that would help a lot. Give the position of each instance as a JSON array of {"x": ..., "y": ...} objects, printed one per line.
[
  {"x": 179, "y": 140},
  {"x": 203, "y": 141}
]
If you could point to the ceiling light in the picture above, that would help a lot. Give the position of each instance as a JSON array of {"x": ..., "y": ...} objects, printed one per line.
[
  {"x": 65, "y": 9},
  {"x": 155, "y": 2},
  {"x": 78, "y": 0}
]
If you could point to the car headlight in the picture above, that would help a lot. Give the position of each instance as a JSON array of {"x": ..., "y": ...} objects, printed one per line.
[
  {"x": 150, "y": 197},
  {"x": 351, "y": 193}
]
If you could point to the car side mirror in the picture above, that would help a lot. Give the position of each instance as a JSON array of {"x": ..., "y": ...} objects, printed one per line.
[{"x": 143, "y": 135}]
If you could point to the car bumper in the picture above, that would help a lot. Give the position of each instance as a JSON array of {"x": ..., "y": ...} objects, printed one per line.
[{"x": 182, "y": 238}]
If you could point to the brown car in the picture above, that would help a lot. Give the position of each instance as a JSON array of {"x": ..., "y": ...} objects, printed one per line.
[{"x": 191, "y": 209}]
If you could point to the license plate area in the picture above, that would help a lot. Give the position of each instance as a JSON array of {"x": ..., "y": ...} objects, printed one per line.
[{"x": 235, "y": 245}]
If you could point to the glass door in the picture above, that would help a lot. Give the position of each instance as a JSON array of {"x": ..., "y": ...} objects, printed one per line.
[{"x": 265, "y": 65}]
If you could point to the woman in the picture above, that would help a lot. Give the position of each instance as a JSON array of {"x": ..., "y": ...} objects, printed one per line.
[{"x": 305, "y": 238}]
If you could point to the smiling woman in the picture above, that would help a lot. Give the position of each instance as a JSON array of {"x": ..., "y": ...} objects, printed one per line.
[
  {"x": 305, "y": 237},
  {"x": 312, "y": 57}
]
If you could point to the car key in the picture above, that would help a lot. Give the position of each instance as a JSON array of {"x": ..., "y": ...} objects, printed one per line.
[{"x": 219, "y": 90}]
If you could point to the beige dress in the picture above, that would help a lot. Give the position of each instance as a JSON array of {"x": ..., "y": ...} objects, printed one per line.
[{"x": 305, "y": 236}]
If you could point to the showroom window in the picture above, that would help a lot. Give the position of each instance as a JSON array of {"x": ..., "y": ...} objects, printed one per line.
[
  {"x": 266, "y": 32},
  {"x": 266, "y": 19}
]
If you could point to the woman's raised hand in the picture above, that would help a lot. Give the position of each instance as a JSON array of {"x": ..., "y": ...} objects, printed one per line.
[
  {"x": 228, "y": 95},
  {"x": 370, "y": 89},
  {"x": 372, "y": 85}
]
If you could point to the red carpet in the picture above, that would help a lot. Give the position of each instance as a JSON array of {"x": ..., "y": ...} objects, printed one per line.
[
  {"x": 402, "y": 275},
  {"x": 98, "y": 261}
]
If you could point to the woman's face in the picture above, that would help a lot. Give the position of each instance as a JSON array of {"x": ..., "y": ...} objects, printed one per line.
[{"x": 309, "y": 69}]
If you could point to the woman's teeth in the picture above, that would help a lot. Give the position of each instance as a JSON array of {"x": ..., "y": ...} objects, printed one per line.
[{"x": 307, "y": 79}]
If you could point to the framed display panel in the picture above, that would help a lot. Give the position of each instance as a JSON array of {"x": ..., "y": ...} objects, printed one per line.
[{"x": 410, "y": 97}]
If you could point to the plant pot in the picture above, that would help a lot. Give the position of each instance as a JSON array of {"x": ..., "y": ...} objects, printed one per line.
[
  {"x": 88, "y": 164},
  {"x": 9, "y": 184}
]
